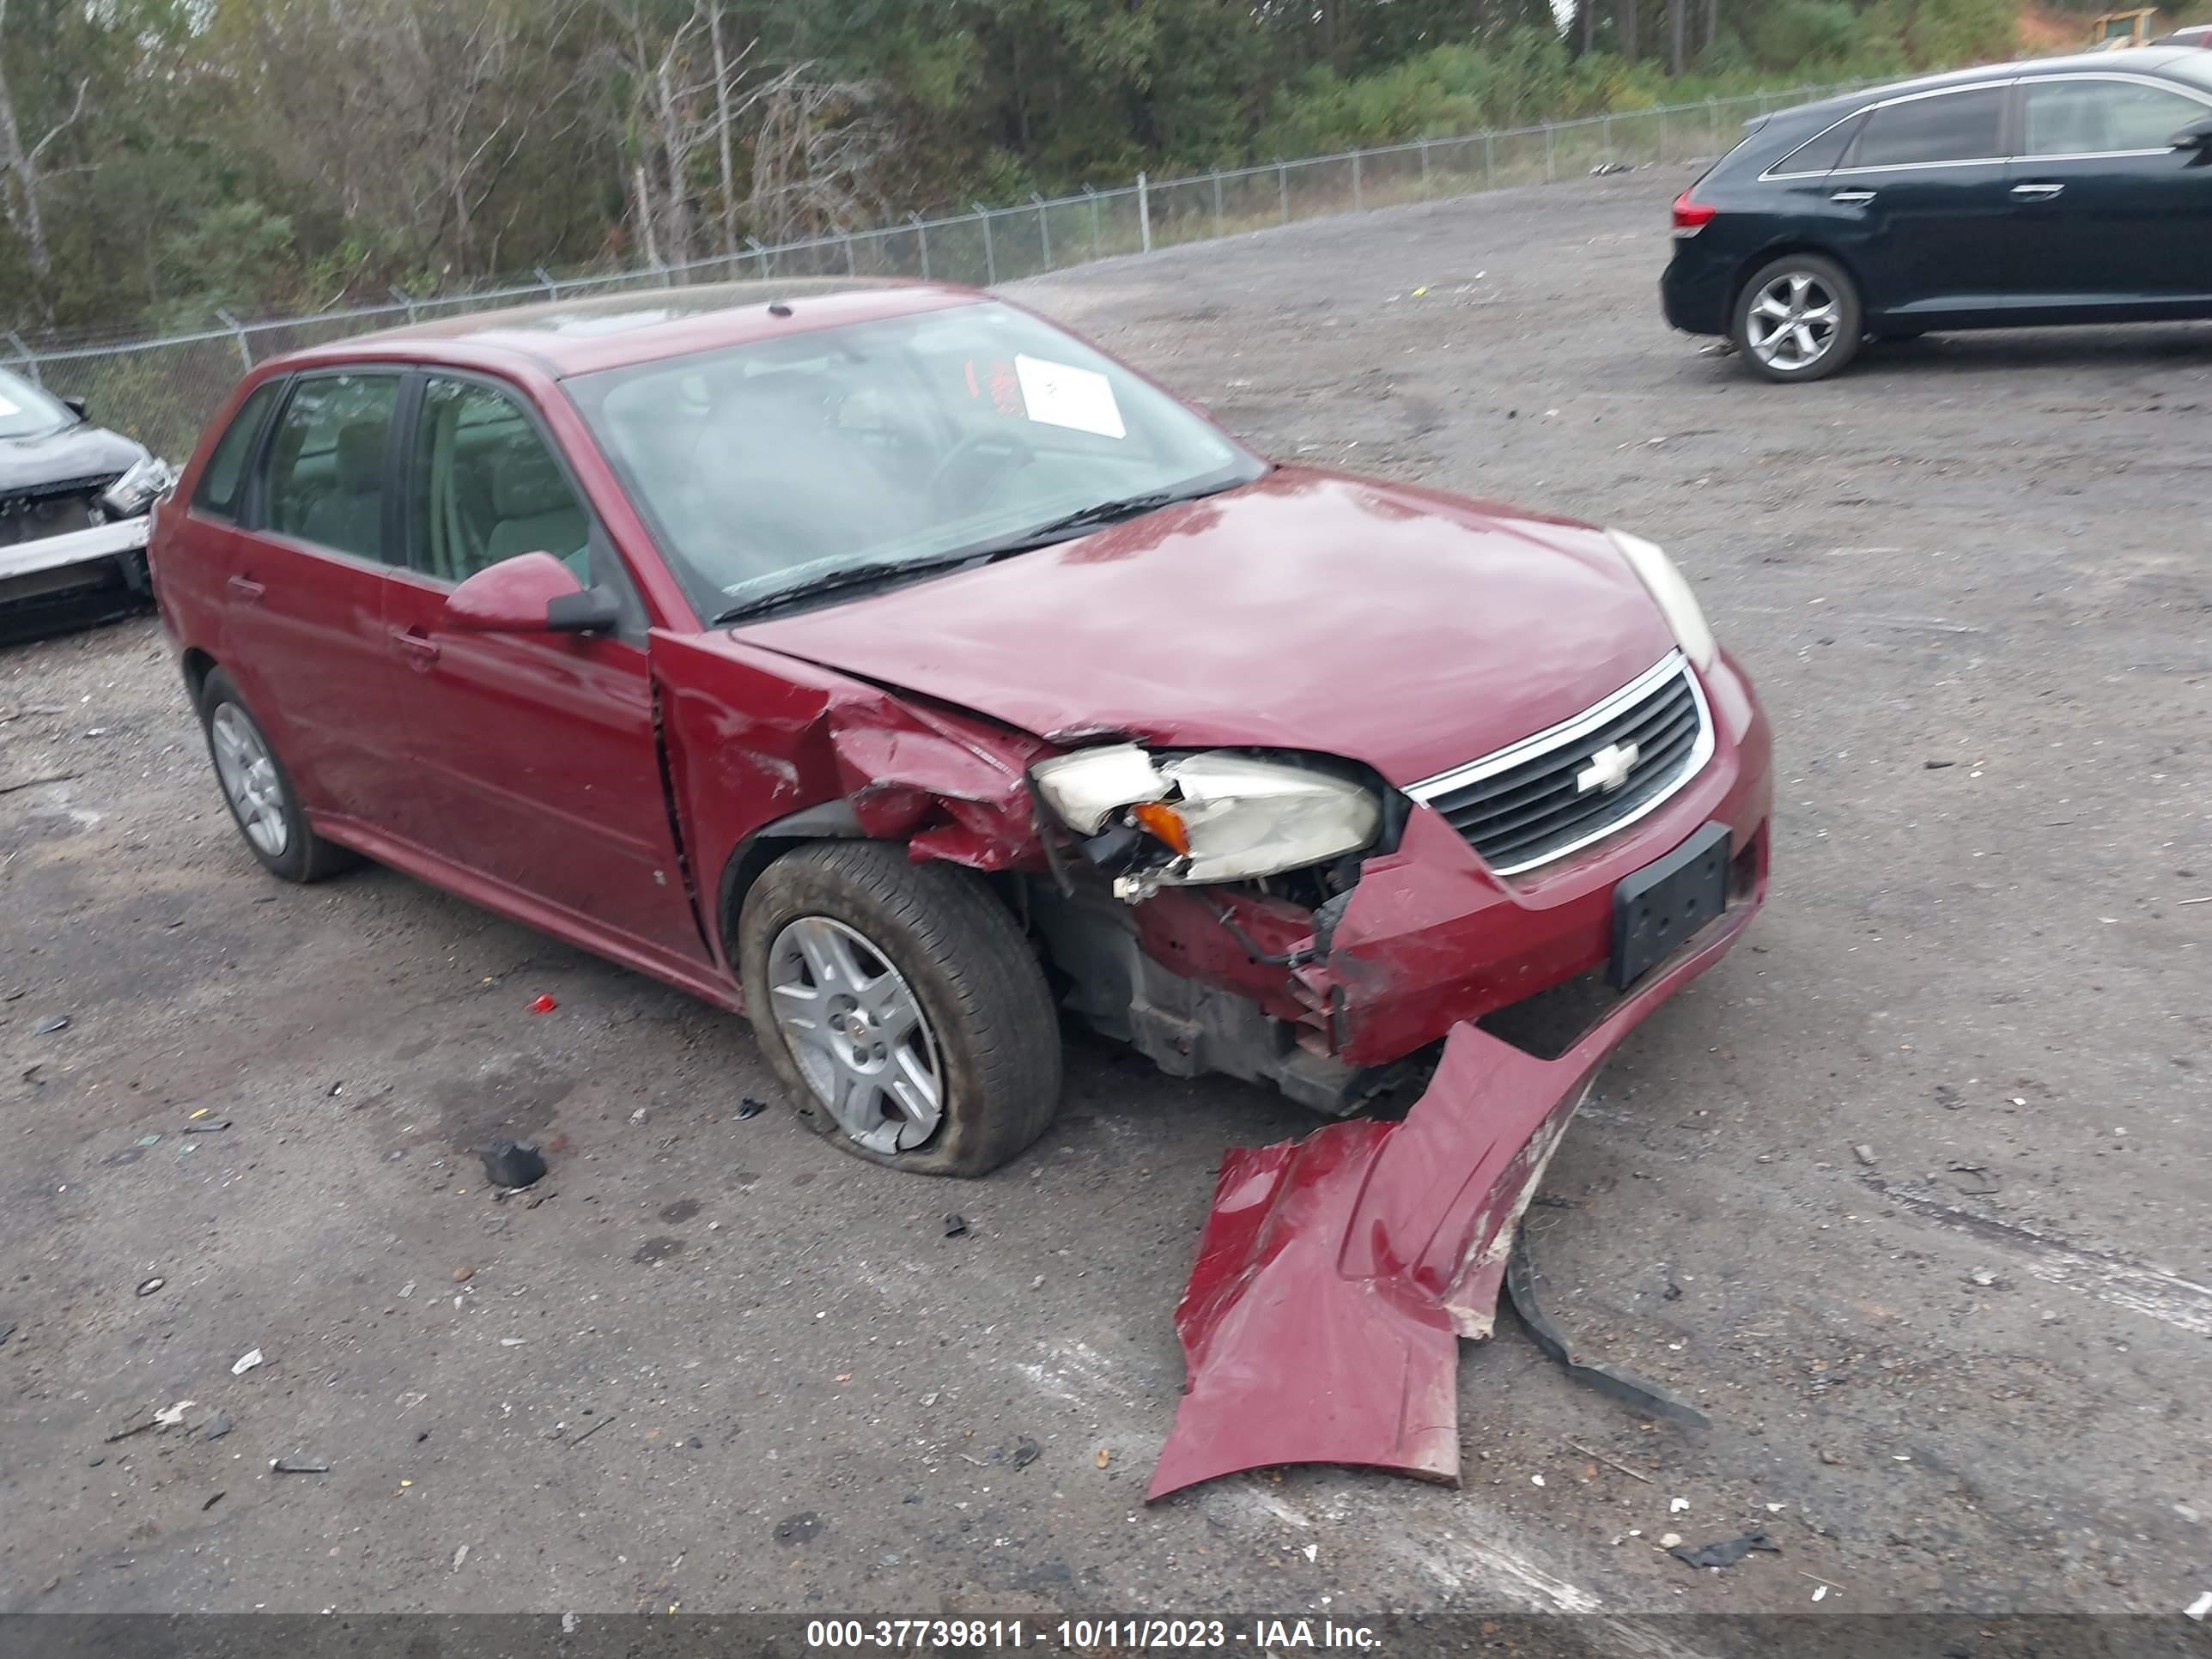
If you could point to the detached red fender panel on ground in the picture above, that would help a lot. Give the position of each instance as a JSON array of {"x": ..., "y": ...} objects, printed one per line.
[{"x": 1336, "y": 1274}]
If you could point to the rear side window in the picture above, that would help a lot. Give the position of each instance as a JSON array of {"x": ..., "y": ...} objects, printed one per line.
[
  {"x": 1951, "y": 126},
  {"x": 1819, "y": 154},
  {"x": 2094, "y": 117},
  {"x": 327, "y": 463},
  {"x": 221, "y": 491}
]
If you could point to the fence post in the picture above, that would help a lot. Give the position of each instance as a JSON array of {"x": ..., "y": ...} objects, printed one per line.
[
  {"x": 1283, "y": 186},
  {"x": 1549, "y": 173},
  {"x": 759, "y": 253},
  {"x": 1663, "y": 134},
  {"x": 852, "y": 265},
  {"x": 1093, "y": 194},
  {"x": 1425, "y": 167},
  {"x": 1044, "y": 228},
  {"x": 921, "y": 233},
  {"x": 30, "y": 363},
  {"x": 552, "y": 288},
  {"x": 990, "y": 253},
  {"x": 1145, "y": 211},
  {"x": 1606, "y": 123},
  {"x": 1712, "y": 121},
  {"x": 238, "y": 331},
  {"x": 1217, "y": 204},
  {"x": 1489, "y": 160},
  {"x": 1356, "y": 203},
  {"x": 404, "y": 298}
]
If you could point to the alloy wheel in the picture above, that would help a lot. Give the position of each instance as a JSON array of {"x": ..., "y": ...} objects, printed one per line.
[
  {"x": 1792, "y": 323},
  {"x": 247, "y": 772},
  {"x": 858, "y": 1032}
]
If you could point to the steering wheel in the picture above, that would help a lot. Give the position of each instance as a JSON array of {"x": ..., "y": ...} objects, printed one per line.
[{"x": 1018, "y": 451}]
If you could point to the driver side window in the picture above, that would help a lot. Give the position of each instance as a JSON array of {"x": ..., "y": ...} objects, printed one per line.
[{"x": 486, "y": 488}]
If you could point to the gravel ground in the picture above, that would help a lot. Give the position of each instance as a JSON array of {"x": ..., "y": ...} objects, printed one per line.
[{"x": 1909, "y": 1193}]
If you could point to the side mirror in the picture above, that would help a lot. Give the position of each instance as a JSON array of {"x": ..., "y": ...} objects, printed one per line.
[
  {"x": 76, "y": 406},
  {"x": 2197, "y": 136},
  {"x": 530, "y": 593}
]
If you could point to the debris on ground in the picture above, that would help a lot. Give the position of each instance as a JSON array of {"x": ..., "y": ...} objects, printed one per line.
[
  {"x": 589, "y": 1432},
  {"x": 211, "y": 1502},
  {"x": 1644, "y": 1396},
  {"x": 1669, "y": 1540},
  {"x": 1864, "y": 1153},
  {"x": 1607, "y": 169},
  {"x": 7, "y": 1329},
  {"x": 147, "y": 1287},
  {"x": 513, "y": 1163},
  {"x": 748, "y": 1107},
  {"x": 1937, "y": 765},
  {"x": 2200, "y": 1608},
  {"x": 247, "y": 1362},
  {"x": 170, "y": 1416},
  {"x": 297, "y": 1465},
  {"x": 124, "y": 1434},
  {"x": 215, "y": 1127},
  {"x": 1026, "y": 1452},
  {"x": 1103, "y": 1457},
  {"x": 1612, "y": 1463},
  {"x": 49, "y": 1024},
  {"x": 1726, "y": 1553},
  {"x": 798, "y": 1529},
  {"x": 462, "y": 1275},
  {"x": 1676, "y": 1505},
  {"x": 956, "y": 1225},
  {"x": 541, "y": 1005},
  {"x": 462, "y": 1553},
  {"x": 215, "y": 1427}
]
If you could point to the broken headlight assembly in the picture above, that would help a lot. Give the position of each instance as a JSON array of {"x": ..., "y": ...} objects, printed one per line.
[
  {"x": 1179, "y": 820},
  {"x": 136, "y": 490},
  {"x": 1670, "y": 590}
]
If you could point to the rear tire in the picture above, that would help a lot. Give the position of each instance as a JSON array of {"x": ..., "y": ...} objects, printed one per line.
[
  {"x": 1798, "y": 318},
  {"x": 901, "y": 1006},
  {"x": 258, "y": 790}
]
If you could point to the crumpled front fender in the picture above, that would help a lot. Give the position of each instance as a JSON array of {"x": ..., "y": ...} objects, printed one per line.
[{"x": 1336, "y": 1274}]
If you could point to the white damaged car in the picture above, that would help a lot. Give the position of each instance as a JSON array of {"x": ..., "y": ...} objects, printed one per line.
[{"x": 75, "y": 503}]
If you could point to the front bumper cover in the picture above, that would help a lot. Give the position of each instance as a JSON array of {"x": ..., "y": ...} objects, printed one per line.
[
  {"x": 86, "y": 546},
  {"x": 1335, "y": 1275}
]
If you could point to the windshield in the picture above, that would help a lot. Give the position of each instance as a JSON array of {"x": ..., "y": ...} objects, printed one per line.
[
  {"x": 28, "y": 412},
  {"x": 907, "y": 440}
]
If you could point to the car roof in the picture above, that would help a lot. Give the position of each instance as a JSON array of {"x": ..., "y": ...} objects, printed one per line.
[
  {"x": 2131, "y": 59},
  {"x": 580, "y": 335}
]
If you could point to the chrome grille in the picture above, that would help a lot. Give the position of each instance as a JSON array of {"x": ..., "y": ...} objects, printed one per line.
[{"x": 1553, "y": 793}]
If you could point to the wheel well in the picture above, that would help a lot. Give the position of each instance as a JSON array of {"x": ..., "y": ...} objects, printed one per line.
[
  {"x": 830, "y": 821},
  {"x": 1767, "y": 256},
  {"x": 198, "y": 665}
]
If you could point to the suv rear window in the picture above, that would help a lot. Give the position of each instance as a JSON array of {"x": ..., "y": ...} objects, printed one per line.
[
  {"x": 1821, "y": 153},
  {"x": 1949, "y": 126}
]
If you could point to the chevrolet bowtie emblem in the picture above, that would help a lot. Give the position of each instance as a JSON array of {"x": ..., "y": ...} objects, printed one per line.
[{"x": 1608, "y": 768}]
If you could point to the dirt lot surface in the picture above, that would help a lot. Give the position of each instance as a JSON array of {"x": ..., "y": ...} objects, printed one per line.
[{"x": 1910, "y": 1193}]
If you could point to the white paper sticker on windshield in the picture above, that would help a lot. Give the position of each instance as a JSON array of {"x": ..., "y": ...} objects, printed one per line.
[
  {"x": 1060, "y": 394},
  {"x": 8, "y": 409}
]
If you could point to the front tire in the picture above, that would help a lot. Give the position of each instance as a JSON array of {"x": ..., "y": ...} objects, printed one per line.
[
  {"x": 901, "y": 1007},
  {"x": 1798, "y": 318},
  {"x": 258, "y": 790}
]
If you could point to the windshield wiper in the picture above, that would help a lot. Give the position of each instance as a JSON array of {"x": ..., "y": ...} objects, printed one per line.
[
  {"x": 1063, "y": 528},
  {"x": 1095, "y": 517},
  {"x": 831, "y": 581}
]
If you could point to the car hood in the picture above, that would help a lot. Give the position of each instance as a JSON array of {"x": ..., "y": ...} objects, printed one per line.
[
  {"x": 1400, "y": 627},
  {"x": 74, "y": 452}
]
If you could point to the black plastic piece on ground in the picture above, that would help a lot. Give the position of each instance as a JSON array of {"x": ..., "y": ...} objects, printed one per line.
[
  {"x": 1647, "y": 1397},
  {"x": 507, "y": 1163}
]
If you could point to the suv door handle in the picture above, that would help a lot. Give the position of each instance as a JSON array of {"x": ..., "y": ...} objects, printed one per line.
[
  {"x": 1852, "y": 197},
  {"x": 246, "y": 588},
  {"x": 420, "y": 647},
  {"x": 2036, "y": 193}
]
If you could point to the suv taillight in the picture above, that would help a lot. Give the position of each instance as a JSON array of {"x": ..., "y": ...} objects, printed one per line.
[{"x": 1691, "y": 215}]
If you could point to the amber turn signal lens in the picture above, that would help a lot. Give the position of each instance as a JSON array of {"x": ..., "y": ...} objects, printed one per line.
[{"x": 1165, "y": 822}]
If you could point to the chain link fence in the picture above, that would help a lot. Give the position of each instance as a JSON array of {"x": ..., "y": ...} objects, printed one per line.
[{"x": 161, "y": 391}]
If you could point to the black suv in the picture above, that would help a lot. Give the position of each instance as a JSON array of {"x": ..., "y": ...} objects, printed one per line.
[{"x": 2071, "y": 190}]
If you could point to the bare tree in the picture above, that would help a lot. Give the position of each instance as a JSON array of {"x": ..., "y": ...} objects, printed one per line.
[
  {"x": 816, "y": 156},
  {"x": 26, "y": 176}
]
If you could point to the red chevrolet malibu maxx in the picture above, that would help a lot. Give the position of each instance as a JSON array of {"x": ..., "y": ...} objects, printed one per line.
[{"x": 883, "y": 662}]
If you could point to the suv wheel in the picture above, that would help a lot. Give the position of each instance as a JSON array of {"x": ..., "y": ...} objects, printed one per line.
[
  {"x": 1798, "y": 318},
  {"x": 901, "y": 1006}
]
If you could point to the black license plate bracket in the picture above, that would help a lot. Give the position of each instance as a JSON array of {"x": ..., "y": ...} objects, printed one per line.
[{"x": 1658, "y": 906}]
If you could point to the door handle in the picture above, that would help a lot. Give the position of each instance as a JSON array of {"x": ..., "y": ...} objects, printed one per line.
[
  {"x": 2036, "y": 193},
  {"x": 420, "y": 646},
  {"x": 246, "y": 588},
  {"x": 1852, "y": 197}
]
